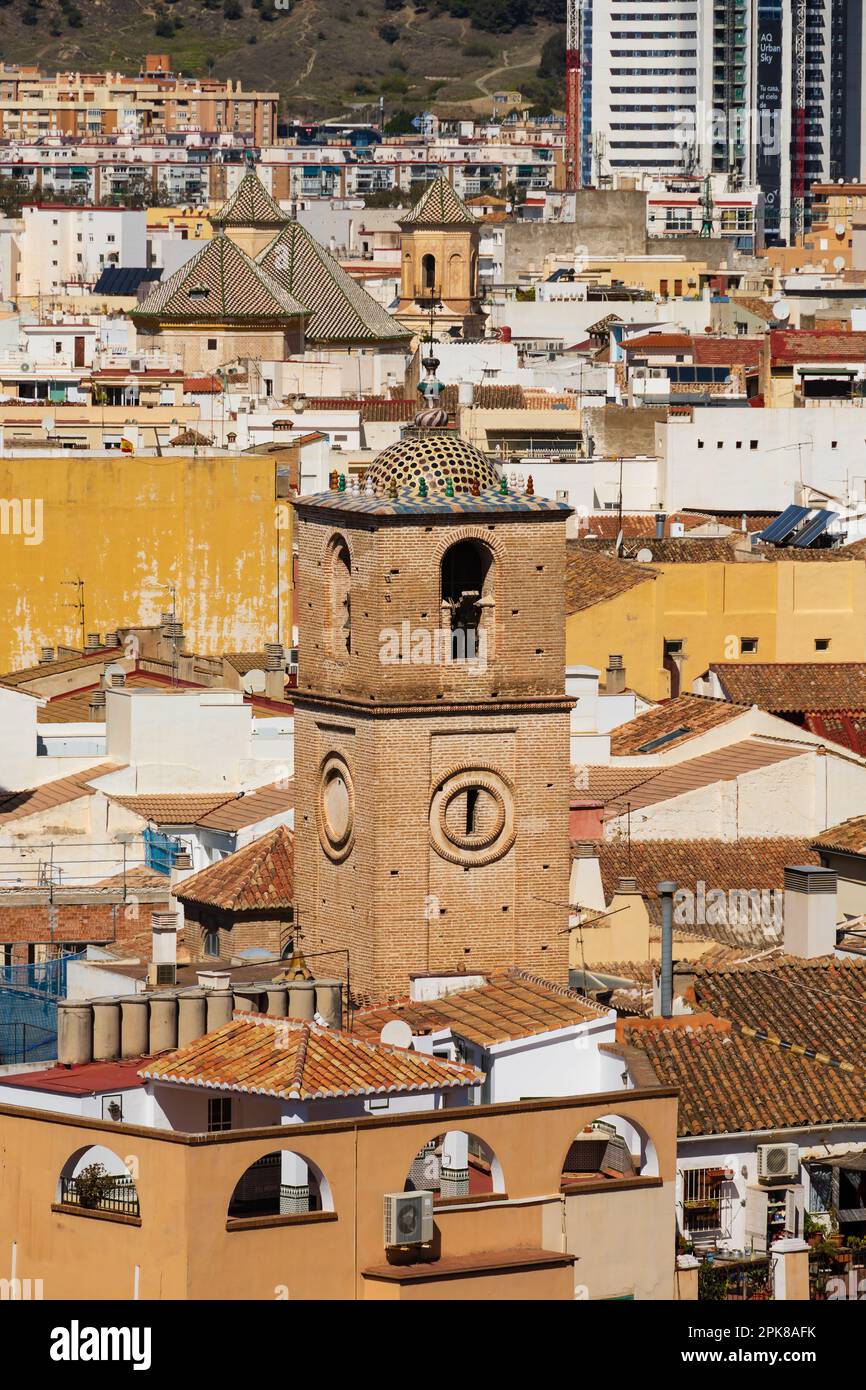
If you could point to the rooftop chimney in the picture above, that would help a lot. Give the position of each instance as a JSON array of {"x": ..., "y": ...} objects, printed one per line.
[
  {"x": 275, "y": 672},
  {"x": 810, "y": 911},
  {"x": 661, "y": 518},
  {"x": 162, "y": 969},
  {"x": 615, "y": 675},
  {"x": 46, "y": 656},
  {"x": 666, "y": 891},
  {"x": 93, "y": 642},
  {"x": 96, "y": 705},
  {"x": 585, "y": 888}
]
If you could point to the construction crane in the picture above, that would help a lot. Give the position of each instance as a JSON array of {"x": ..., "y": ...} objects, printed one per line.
[
  {"x": 573, "y": 50},
  {"x": 798, "y": 171}
]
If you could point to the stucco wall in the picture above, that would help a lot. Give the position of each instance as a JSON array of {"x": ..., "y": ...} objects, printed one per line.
[{"x": 131, "y": 527}]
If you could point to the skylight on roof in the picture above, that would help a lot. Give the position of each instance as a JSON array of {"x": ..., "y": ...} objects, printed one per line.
[{"x": 665, "y": 738}]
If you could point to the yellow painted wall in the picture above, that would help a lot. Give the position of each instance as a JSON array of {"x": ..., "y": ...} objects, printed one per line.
[
  {"x": 131, "y": 526},
  {"x": 648, "y": 273},
  {"x": 710, "y": 607}
]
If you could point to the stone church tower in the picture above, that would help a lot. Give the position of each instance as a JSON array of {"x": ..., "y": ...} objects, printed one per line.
[
  {"x": 432, "y": 729},
  {"x": 439, "y": 265}
]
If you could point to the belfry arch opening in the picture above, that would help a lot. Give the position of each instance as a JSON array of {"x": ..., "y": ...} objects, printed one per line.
[
  {"x": 467, "y": 597},
  {"x": 428, "y": 273}
]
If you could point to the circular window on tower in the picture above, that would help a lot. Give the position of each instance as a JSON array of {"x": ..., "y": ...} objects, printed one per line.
[
  {"x": 335, "y": 807},
  {"x": 472, "y": 816}
]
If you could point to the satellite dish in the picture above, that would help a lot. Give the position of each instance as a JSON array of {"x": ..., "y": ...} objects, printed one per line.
[
  {"x": 644, "y": 556},
  {"x": 254, "y": 682},
  {"x": 782, "y": 310},
  {"x": 840, "y": 228},
  {"x": 396, "y": 1033},
  {"x": 839, "y": 263},
  {"x": 48, "y": 423}
]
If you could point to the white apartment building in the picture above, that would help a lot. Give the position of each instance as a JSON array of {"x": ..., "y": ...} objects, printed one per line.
[
  {"x": 62, "y": 246},
  {"x": 766, "y": 92}
]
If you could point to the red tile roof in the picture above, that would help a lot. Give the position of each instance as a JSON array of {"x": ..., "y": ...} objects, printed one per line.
[
  {"x": 791, "y": 345},
  {"x": 259, "y": 877},
  {"x": 592, "y": 578},
  {"x": 17, "y": 805},
  {"x": 791, "y": 686},
  {"x": 301, "y": 1061},
  {"x": 676, "y": 721},
  {"x": 512, "y": 1004},
  {"x": 727, "y": 865}
]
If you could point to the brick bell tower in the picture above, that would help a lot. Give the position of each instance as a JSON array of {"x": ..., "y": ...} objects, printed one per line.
[{"x": 432, "y": 729}]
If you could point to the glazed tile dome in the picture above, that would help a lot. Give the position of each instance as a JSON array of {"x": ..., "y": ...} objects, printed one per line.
[{"x": 436, "y": 455}]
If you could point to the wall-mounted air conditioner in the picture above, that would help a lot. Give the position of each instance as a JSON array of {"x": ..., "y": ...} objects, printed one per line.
[
  {"x": 778, "y": 1162},
  {"x": 408, "y": 1218}
]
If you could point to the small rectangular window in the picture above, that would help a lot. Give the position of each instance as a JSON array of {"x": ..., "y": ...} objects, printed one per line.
[
  {"x": 211, "y": 344},
  {"x": 748, "y": 646},
  {"x": 219, "y": 1114},
  {"x": 822, "y": 644},
  {"x": 753, "y": 443}
]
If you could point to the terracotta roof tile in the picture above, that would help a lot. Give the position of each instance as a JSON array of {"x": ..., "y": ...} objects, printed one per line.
[
  {"x": 595, "y": 578},
  {"x": 730, "y": 1082},
  {"x": 606, "y": 525},
  {"x": 722, "y": 765},
  {"x": 794, "y": 686},
  {"x": 790, "y": 345},
  {"x": 55, "y": 668},
  {"x": 729, "y": 865},
  {"x": 512, "y": 1004},
  {"x": 258, "y": 877},
  {"x": 301, "y": 1061},
  {"x": 272, "y": 800},
  {"x": 172, "y": 808},
  {"x": 676, "y": 721},
  {"x": 849, "y": 837},
  {"x": 17, "y": 805}
]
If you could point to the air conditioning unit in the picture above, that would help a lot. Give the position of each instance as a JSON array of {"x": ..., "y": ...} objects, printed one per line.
[
  {"x": 778, "y": 1162},
  {"x": 408, "y": 1218},
  {"x": 136, "y": 364}
]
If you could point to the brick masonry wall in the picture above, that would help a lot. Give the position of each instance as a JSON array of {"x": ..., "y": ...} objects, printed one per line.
[
  {"x": 271, "y": 933},
  {"x": 395, "y": 902},
  {"x": 59, "y": 923},
  {"x": 396, "y": 578}
]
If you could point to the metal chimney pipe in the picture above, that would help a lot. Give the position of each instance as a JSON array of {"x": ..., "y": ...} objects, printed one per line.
[
  {"x": 661, "y": 519},
  {"x": 666, "y": 891}
]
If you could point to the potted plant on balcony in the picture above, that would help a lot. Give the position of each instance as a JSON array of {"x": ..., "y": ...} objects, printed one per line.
[{"x": 92, "y": 1186}]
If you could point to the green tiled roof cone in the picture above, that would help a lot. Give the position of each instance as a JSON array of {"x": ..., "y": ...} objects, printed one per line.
[
  {"x": 341, "y": 310},
  {"x": 251, "y": 205},
  {"x": 220, "y": 282},
  {"x": 438, "y": 206}
]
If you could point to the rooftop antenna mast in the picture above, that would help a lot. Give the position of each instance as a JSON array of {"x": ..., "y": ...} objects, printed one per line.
[{"x": 78, "y": 604}]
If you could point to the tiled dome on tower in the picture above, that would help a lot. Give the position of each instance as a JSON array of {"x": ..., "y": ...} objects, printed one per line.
[{"x": 438, "y": 456}]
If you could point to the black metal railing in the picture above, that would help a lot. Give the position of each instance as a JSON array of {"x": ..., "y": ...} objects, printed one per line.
[{"x": 121, "y": 1197}]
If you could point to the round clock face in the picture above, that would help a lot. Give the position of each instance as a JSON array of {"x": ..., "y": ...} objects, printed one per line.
[
  {"x": 335, "y": 807},
  {"x": 472, "y": 816}
]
